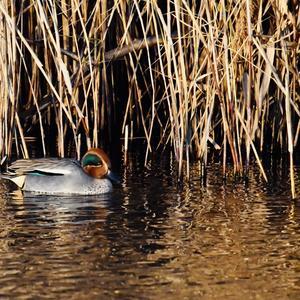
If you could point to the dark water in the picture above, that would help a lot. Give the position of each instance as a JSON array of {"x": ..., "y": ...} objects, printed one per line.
[{"x": 153, "y": 239}]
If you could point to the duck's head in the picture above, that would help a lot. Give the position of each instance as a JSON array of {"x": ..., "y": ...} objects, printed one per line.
[{"x": 96, "y": 163}]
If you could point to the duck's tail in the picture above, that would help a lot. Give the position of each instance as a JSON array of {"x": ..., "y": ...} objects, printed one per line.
[{"x": 19, "y": 180}]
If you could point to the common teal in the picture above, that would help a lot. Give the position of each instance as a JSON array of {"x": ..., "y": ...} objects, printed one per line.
[{"x": 63, "y": 176}]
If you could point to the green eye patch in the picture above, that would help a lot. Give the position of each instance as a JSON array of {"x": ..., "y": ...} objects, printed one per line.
[{"x": 91, "y": 160}]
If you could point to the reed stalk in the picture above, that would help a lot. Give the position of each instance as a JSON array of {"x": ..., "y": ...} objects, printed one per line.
[{"x": 202, "y": 77}]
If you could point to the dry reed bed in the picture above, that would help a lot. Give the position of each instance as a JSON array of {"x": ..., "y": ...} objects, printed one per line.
[{"x": 209, "y": 74}]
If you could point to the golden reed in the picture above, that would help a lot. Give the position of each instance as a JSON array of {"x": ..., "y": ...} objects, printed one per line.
[{"x": 197, "y": 75}]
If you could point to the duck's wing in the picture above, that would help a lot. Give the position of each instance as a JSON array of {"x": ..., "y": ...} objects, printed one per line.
[{"x": 44, "y": 166}]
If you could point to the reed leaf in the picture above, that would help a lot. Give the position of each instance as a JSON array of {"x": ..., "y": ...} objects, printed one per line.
[{"x": 201, "y": 78}]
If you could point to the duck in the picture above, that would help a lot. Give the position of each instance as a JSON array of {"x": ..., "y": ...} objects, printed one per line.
[{"x": 90, "y": 176}]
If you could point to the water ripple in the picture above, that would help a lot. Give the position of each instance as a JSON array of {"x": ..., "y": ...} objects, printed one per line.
[{"x": 154, "y": 239}]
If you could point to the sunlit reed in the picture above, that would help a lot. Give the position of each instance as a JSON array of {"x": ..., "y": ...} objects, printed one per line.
[{"x": 200, "y": 76}]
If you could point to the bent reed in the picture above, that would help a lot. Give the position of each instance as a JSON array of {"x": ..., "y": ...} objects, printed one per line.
[{"x": 198, "y": 76}]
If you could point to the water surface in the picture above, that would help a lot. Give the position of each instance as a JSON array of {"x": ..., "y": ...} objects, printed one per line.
[{"x": 154, "y": 239}]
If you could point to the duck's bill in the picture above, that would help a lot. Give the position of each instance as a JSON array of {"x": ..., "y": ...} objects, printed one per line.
[{"x": 113, "y": 177}]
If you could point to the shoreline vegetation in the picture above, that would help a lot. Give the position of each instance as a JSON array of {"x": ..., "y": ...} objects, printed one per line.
[{"x": 193, "y": 76}]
